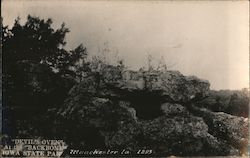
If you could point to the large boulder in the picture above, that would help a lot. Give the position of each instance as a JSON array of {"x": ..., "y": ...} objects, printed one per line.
[
  {"x": 95, "y": 120},
  {"x": 234, "y": 102},
  {"x": 169, "y": 85},
  {"x": 181, "y": 136},
  {"x": 231, "y": 130}
]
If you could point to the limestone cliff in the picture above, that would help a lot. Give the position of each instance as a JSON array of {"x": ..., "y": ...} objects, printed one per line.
[{"x": 149, "y": 110}]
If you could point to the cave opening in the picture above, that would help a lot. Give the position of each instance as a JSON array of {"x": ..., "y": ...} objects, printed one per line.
[{"x": 146, "y": 104}]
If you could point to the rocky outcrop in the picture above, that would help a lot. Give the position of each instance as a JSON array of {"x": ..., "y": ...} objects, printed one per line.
[
  {"x": 230, "y": 129},
  {"x": 181, "y": 136},
  {"x": 234, "y": 102},
  {"x": 150, "y": 110},
  {"x": 171, "y": 85}
]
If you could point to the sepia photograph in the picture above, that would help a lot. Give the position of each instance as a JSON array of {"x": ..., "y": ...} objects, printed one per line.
[{"x": 136, "y": 78}]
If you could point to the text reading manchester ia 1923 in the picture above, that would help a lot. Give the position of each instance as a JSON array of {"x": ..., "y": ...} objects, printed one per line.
[{"x": 52, "y": 93}]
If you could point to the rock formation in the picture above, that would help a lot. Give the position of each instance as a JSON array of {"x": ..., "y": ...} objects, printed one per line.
[{"x": 150, "y": 110}]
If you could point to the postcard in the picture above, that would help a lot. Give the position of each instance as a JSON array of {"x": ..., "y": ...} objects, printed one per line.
[{"x": 124, "y": 78}]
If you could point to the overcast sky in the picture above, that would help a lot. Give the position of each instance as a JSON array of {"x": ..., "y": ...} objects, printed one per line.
[{"x": 206, "y": 39}]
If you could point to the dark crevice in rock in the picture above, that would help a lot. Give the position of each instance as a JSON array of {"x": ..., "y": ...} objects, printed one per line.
[{"x": 146, "y": 104}]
